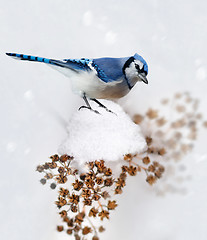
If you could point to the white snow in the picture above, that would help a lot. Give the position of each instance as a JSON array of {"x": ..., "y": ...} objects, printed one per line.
[{"x": 108, "y": 136}]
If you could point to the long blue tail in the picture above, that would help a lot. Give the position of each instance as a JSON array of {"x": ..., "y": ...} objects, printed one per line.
[
  {"x": 72, "y": 64},
  {"x": 30, "y": 58}
]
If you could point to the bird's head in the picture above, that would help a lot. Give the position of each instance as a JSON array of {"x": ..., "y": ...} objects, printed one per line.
[{"x": 136, "y": 69}]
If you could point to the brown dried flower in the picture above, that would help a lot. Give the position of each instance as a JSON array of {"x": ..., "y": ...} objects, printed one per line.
[
  {"x": 151, "y": 179},
  {"x": 146, "y": 160},
  {"x": 93, "y": 212},
  {"x": 103, "y": 214},
  {"x": 112, "y": 205},
  {"x": 86, "y": 230},
  {"x": 138, "y": 118},
  {"x": 152, "y": 114}
]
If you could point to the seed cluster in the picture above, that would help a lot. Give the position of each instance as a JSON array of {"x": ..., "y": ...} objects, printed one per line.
[
  {"x": 89, "y": 195},
  {"x": 176, "y": 129}
]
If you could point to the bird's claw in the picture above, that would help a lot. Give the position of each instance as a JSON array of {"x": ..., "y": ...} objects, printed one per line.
[{"x": 89, "y": 109}]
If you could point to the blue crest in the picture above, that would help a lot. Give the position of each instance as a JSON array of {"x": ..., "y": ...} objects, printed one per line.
[{"x": 141, "y": 59}]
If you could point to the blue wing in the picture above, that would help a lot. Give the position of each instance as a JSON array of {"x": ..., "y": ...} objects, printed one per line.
[
  {"x": 109, "y": 69},
  {"x": 78, "y": 64}
]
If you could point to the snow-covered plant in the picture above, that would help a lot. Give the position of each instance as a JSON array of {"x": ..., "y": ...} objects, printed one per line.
[{"x": 89, "y": 181}]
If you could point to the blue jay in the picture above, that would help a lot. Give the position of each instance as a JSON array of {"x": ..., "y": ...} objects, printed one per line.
[{"x": 100, "y": 78}]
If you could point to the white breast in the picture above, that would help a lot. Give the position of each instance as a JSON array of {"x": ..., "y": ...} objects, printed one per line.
[{"x": 88, "y": 83}]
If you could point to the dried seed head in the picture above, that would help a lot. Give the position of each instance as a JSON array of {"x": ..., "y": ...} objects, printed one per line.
[
  {"x": 74, "y": 199},
  {"x": 146, "y": 160},
  {"x": 99, "y": 180},
  {"x": 118, "y": 190},
  {"x": 43, "y": 181},
  {"x": 79, "y": 217},
  {"x": 52, "y": 165},
  {"x": 86, "y": 230},
  {"x": 151, "y": 179},
  {"x": 161, "y": 169},
  {"x": 124, "y": 169},
  {"x": 138, "y": 118},
  {"x": 40, "y": 168},
  {"x": 49, "y": 176},
  {"x": 95, "y": 238},
  {"x": 76, "y": 228},
  {"x": 46, "y": 166},
  {"x": 64, "y": 158},
  {"x": 111, "y": 205},
  {"x": 158, "y": 174},
  {"x": 61, "y": 170},
  {"x": 151, "y": 150},
  {"x": 103, "y": 214},
  {"x": 87, "y": 202},
  {"x": 123, "y": 176},
  {"x": 205, "y": 124},
  {"x": 105, "y": 195},
  {"x": 91, "y": 165},
  {"x": 70, "y": 223},
  {"x": 54, "y": 158},
  {"x": 69, "y": 231},
  {"x": 165, "y": 101},
  {"x": 63, "y": 214},
  {"x": 120, "y": 182},
  {"x": 86, "y": 193},
  {"x": 77, "y": 185},
  {"x": 161, "y": 151},
  {"x": 132, "y": 171},
  {"x": 61, "y": 179},
  {"x": 156, "y": 164},
  {"x": 128, "y": 157},
  {"x": 83, "y": 176},
  {"x": 53, "y": 186},
  {"x": 148, "y": 140},
  {"x": 101, "y": 229},
  {"x": 108, "y": 172},
  {"x": 161, "y": 122},
  {"x": 93, "y": 212},
  {"x": 151, "y": 114},
  {"x": 61, "y": 202},
  {"x": 96, "y": 197},
  {"x": 151, "y": 168},
  {"x": 180, "y": 108},
  {"x": 63, "y": 192},
  {"x": 178, "y": 95},
  {"x": 90, "y": 183},
  {"x": 108, "y": 182},
  {"x": 77, "y": 237},
  {"x": 60, "y": 228},
  {"x": 74, "y": 208}
]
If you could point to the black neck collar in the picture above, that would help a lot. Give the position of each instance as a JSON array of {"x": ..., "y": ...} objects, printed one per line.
[{"x": 126, "y": 65}]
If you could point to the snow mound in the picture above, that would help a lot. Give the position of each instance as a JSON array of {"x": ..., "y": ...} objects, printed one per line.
[{"x": 106, "y": 136}]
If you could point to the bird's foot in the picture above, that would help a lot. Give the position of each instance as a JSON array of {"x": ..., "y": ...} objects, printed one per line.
[
  {"x": 108, "y": 110},
  {"x": 89, "y": 109},
  {"x": 101, "y": 105}
]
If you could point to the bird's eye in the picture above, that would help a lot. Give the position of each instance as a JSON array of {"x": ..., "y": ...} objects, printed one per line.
[{"x": 138, "y": 68}]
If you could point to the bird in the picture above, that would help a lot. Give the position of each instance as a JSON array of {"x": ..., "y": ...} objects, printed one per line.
[{"x": 98, "y": 78}]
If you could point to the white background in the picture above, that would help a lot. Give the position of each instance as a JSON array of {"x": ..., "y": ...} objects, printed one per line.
[{"x": 36, "y": 103}]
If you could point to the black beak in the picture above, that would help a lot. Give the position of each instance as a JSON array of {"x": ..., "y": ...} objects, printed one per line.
[{"x": 143, "y": 78}]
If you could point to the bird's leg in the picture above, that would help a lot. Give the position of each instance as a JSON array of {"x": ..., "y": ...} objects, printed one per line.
[
  {"x": 101, "y": 105},
  {"x": 88, "y": 105}
]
